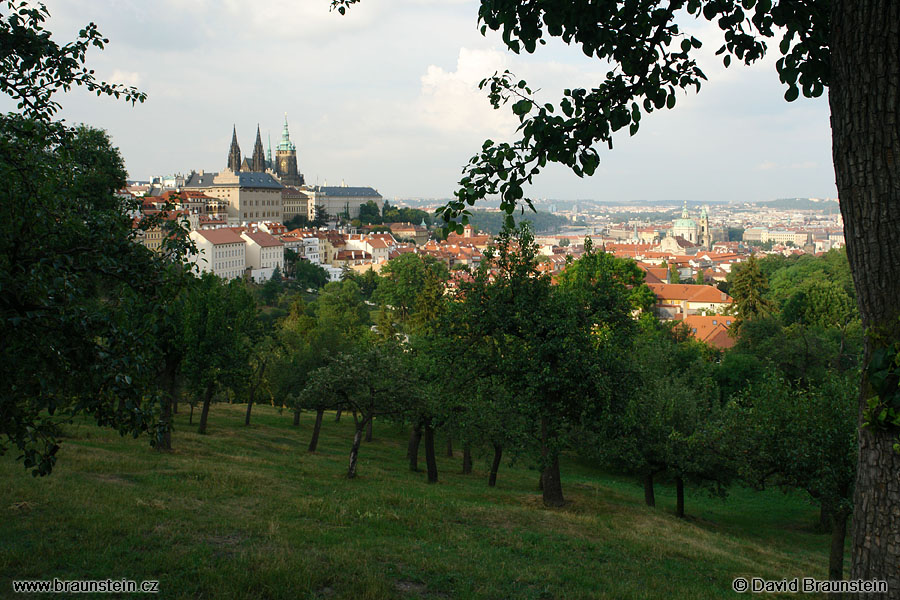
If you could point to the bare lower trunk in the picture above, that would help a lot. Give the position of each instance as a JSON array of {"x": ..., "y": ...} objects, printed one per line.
[
  {"x": 864, "y": 96},
  {"x": 824, "y": 517},
  {"x": 296, "y": 422},
  {"x": 838, "y": 538},
  {"x": 191, "y": 417},
  {"x": 495, "y": 465},
  {"x": 247, "y": 416},
  {"x": 467, "y": 460},
  {"x": 337, "y": 416},
  {"x": 369, "y": 431},
  {"x": 679, "y": 497},
  {"x": 449, "y": 447},
  {"x": 164, "y": 443},
  {"x": 412, "y": 449},
  {"x": 553, "y": 495},
  {"x": 430, "y": 460},
  {"x": 314, "y": 442},
  {"x": 649, "y": 496},
  {"x": 204, "y": 414},
  {"x": 354, "y": 450}
]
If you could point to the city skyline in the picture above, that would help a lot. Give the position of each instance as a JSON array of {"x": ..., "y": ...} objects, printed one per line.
[{"x": 386, "y": 97}]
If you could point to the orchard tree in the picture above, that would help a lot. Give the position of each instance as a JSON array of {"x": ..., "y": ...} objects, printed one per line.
[{"x": 852, "y": 49}]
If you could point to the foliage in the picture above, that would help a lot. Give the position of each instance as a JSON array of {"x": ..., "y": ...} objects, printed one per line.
[
  {"x": 748, "y": 288},
  {"x": 309, "y": 275},
  {"x": 493, "y": 222},
  {"x": 403, "y": 279}
]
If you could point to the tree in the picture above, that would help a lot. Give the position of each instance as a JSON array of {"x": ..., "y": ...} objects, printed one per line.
[
  {"x": 850, "y": 48},
  {"x": 804, "y": 439},
  {"x": 81, "y": 303},
  {"x": 370, "y": 381},
  {"x": 403, "y": 279},
  {"x": 219, "y": 332},
  {"x": 748, "y": 288}
]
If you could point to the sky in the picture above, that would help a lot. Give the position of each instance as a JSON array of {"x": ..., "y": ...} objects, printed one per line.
[{"x": 387, "y": 97}]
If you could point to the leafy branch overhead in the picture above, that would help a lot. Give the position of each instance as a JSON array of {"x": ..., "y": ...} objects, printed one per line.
[
  {"x": 33, "y": 67},
  {"x": 651, "y": 59}
]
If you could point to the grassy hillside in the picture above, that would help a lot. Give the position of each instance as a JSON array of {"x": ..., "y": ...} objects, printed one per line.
[{"x": 245, "y": 512}]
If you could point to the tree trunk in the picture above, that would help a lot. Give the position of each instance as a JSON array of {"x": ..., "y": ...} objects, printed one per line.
[
  {"x": 429, "y": 454},
  {"x": 204, "y": 414},
  {"x": 467, "y": 460},
  {"x": 175, "y": 405},
  {"x": 247, "y": 416},
  {"x": 354, "y": 450},
  {"x": 296, "y": 422},
  {"x": 824, "y": 517},
  {"x": 412, "y": 449},
  {"x": 679, "y": 497},
  {"x": 164, "y": 443},
  {"x": 495, "y": 465},
  {"x": 864, "y": 96},
  {"x": 449, "y": 447},
  {"x": 191, "y": 418},
  {"x": 838, "y": 536},
  {"x": 337, "y": 416},
  {"x": 649, "y": 496},
  {"x": 552, "y": 483},
  {"x": 252, "y": 398},
  {"x": 369, "y": 431},
  {"x": 314, "y": 442}
]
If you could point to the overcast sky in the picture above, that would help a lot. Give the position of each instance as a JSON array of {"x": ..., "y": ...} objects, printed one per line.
[{"x": 387, "y": 97}]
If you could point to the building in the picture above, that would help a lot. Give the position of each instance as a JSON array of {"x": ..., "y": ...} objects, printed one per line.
[
  {"x": 342, "y": 200},
  {"x": 685, "y": 227},
  {"x": 220, "y": 251},
  {"x": 674, "y": 299},
  {"x": 264, "y": 254},
  {"x": 294, "y": 202},
  {"x": 249, "y": 196},
  {"x": 286, "y": 168}
]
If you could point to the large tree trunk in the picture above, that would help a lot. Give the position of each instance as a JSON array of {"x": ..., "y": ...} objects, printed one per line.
[
  {"x": 296, "y": 422},
  {"x": 369, "y": 431},
  {"x": 165, "y": 419},
  {"x": 649, "y": 496},
  {"x": 204, "y": 414},
  {"x": 337, "y": 416},
  {"x": 412, "y": 449},
  {"x": 552, "y": 483},
  {"x": 314, "y": 442},
  {"x": 467, "y": 459},
  {"x": 838, "y": 536},
  {"x": 864, "y": 96},
  {"x": 430, "y": 460},
  {"x": 495, "y": 465},
  {"x": 679, "y": 497},
  {"x": 354, "y": 450}
]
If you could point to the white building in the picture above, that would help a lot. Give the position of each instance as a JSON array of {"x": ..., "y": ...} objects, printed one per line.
[
  {"x": 221, "y": 251},
  {"x": 264, "y": 254}
]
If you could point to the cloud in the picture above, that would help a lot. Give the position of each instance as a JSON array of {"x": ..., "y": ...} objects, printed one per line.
[
  {"x": 451, "y": 103},
  {"x": 766, "y": 166},
  {"x": 125, "y": 77}
]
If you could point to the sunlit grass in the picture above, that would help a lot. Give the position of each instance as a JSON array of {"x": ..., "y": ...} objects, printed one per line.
[{"x": 246, "y": 512}]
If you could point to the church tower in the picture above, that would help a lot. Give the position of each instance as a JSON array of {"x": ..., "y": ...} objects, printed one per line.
[
  {"x": 269, "y": 163},
  {"x": 258, "y": 162},
  {"x": 234, "y": 154},
  {"x": 705, "y": 236},
  {"x": 286, "y": 159}
]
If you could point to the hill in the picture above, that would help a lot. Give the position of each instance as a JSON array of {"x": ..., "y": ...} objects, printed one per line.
[{"x": 245, "y": 512}]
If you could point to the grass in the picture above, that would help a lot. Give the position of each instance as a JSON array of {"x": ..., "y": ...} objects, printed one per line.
[{"x": 246, "y": 512}]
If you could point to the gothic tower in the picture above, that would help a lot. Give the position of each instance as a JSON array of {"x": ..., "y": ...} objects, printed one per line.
[
  {"x": 234, "y": 154},
  {"x": 258, "y": 162},
  {"x": 705, "y": 235},
  {"x": 269, "y": 163},
  {"x": 286, "y": 159}
]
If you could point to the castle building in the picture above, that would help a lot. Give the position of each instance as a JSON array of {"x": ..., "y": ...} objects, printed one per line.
[{"x": 286, "y": 160}]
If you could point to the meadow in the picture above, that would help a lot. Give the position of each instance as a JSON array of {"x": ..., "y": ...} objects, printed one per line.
[{"x": 246, "y": 512}]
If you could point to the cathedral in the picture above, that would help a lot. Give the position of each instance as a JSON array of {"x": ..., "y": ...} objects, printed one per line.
[
  {"x": 690, "y": 231},
  {"x": 284, "y": 167}
]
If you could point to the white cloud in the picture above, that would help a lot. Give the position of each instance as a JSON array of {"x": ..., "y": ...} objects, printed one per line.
[
  {"x": 125, "y": 77},
  {"x": 451, "y": 102}
]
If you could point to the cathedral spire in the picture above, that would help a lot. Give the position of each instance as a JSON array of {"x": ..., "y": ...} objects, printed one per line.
[
  {"x": 269, "y": 163},
  {"x": 258, "y": 162},
  {"x": 684, "y": 211},
  {"x": 234, "y": 154}
]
